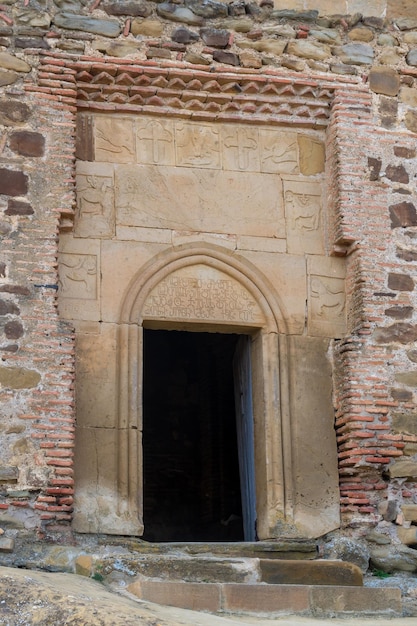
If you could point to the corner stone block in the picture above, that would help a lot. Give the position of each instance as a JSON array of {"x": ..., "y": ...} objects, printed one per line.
[{"x": 13, "y": 183}]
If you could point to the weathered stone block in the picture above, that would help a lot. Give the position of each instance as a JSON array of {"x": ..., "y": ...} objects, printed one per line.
[
  {"x": 13, "y": 112},
  {"x": 311, "y": 154},
  {"x": 13, "y": 183},
  {"x": 228, "y": 58},
  {"x": 407, "y": 378},
  {"x": 385, "y": 81},
  {"x": 6, "y": 544},
  {"x": 399, "y": 312},
  {"x": 374, "y": 167},
  {"x": 411, "y": 120},
  {"x": 403, "y": 469},
  {"x": 401, "y": 332},
  {"x": 7, "y": 307},
  {"x": 18, "y": 377},
  {"x": 72, "y": 21},
  {"x": 402, "y": 395},
  {"x": 13, "y": 329},
  {"x": 355, "y": 53},
  {"x": 184, "y": 35},
  {"x": 361, "y": 34},
  {"x": 27, "y": 143},
  {"x": 406, "y": 255},
  {"x": 196, "y": 596},
  {"x": 309, "y": 49},
  {"x": 148, "y": 28},
  {"x": 138, "y": 8},
  {"x": 9, "y": 473},
  {"x": 411, "y": 58},
  {"x": 405, "y": 422},
  {"x": 397, "y": 173},
  {"x": 218, "y": 38},
  {"x": 209, "y": 9},
  {"x": 403, "y": 214},
  {"x": 400, "y": 282},
  {"x": 270, "y": 597},
  {"x": 350, "y": 600},
  {"x": 171, "y": 11},
  {"x": 10, "y": 62},
  {"x": 16, "y": 207}
]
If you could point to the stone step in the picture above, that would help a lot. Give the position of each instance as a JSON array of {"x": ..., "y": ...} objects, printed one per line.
[
  {"x": 319, "y": 572},
  {"x": 309, "y": 600},
  {"x": 289, "y": 549}
]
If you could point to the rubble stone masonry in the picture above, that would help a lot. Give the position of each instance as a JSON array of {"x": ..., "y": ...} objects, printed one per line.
[{"x": 294, "y": 63}]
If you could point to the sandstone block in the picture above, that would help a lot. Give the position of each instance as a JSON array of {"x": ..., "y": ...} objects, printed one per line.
[
  {"x": 84, "y": 565},
  {"x": 411, "y": 120},
  {"x": 311, "y": 154},
  {"x": 385, "y": 81},
  {"x": 403, "y": 8},
  {"x": 350, "y": 600},
  {"x": 269, "y": 46},
  {"x": 18, "y": 377},
  {"x": 408, "y": 95},
  {"x": 403, "y": 469},
  {"x": 319, "y": 572},
  {"x": 404, "y": 422},
  {"x": 410, "y": 513},
  {"x": 309, "y": 49},
  {"x": 407, "y": 378},
  {"x": 7, "y": 77},
  {"x": 361, "y": 34},
  {"x": 195, "y": 596},
  {"x": 6, "y": 544},
  {"x": 10, "y": 62},
  {"x": 148, "y": 28},
  {"x": 266, "y": 598},
  {"x": 410, "y": 37}
]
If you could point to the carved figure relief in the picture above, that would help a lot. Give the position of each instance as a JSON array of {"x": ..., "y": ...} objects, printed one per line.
[
  {"x": 155, "y": 142},
  {"x": 328, "y": 297},
  {"x": 95, "y": 206},
  {"x": 240, "y": 148},
  {"x": 78, "y": 276},
  {"x": 279, "y": 152},
  {"x": 114, "y": 139},
  {"x": 304, "y": 211},
  {"x": 198, "y": 146}
]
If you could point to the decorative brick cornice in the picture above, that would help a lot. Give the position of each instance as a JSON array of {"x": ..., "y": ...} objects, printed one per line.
[{"x": 268, "y": 97}]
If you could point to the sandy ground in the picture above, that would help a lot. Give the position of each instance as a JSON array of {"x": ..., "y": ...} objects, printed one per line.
[{"x": 29, "y": 597}]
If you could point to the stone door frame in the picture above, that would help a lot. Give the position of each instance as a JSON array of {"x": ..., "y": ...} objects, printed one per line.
[{"x": 269, "y": 379}]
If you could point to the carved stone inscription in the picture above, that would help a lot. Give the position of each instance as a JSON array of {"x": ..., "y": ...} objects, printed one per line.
[
  {"x": 200, "y": 293},
  {"x": 200, "y": 200}
]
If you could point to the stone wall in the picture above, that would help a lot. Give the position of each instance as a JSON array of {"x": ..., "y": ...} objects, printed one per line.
[{"x": 59, "y": 57}]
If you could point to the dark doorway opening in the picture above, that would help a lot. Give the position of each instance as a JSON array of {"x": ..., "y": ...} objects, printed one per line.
[{"x": 190, "y": 452}]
